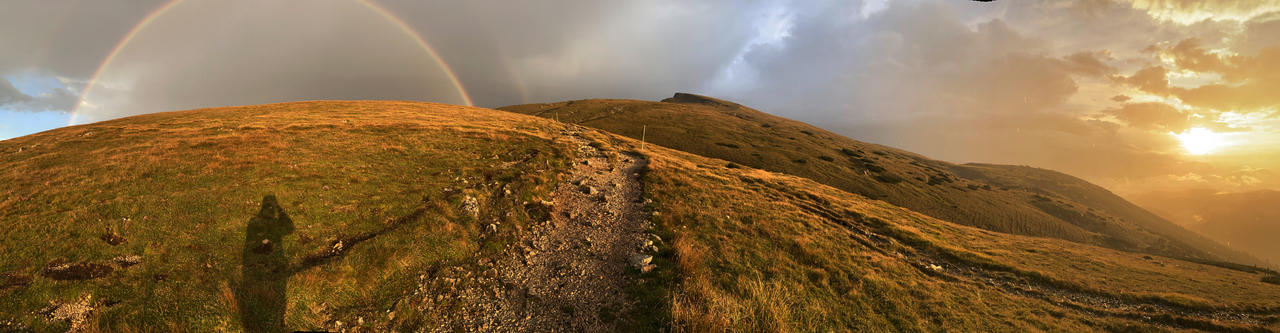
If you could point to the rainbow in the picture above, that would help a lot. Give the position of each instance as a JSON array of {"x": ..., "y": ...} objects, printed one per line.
[{"x": 106, "y": 62}]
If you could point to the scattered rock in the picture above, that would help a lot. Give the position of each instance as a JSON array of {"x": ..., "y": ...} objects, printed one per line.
[
  {"x": 471, "y": 206},
  {"x": 59, "y": 269},
  {"x": 641, "y": 260},
  {"x": 76, "y": 313},
  {"x": 126, "y": 261}
]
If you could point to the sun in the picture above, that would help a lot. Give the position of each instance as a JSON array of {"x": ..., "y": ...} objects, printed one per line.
[{"x": 1200, "y": 141}]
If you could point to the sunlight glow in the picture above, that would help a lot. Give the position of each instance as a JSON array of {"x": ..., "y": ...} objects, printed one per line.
[{"x": 1200, "y": 141}]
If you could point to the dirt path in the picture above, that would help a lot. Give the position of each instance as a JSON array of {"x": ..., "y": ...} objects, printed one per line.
[{"x": 567, "y": 274}]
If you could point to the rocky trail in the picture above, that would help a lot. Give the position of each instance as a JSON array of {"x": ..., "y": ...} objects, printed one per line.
[{"x": 566, "y": 274}]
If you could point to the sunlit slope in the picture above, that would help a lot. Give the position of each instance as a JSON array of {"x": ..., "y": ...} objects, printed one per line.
[
  {"x": 761, "y": 251},
  {"x": 957, "y": 193},
  {"x": 359, "y": 201},
  {"x": 354, "y": 199}
]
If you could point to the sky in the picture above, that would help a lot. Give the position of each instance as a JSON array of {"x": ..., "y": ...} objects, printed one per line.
[{"x": 1134, "y": 95}]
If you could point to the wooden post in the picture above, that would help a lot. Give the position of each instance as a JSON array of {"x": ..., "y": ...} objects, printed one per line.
[{"x": 643, "y": 129}]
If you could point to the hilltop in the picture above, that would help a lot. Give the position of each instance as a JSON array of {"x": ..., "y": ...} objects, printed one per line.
[
  {"x": 401, "y": 216},
  {"x": 1010, "y": 199}
]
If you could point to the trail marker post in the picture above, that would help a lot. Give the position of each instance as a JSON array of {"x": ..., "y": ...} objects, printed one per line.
[{"x": 643, "y": 129}]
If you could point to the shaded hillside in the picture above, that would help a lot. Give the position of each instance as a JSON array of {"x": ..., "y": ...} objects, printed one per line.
[
  {"x": 1249, "y": 221},
  {"x": 743, "y": 136},
  {"x": 397, "y": 216}
]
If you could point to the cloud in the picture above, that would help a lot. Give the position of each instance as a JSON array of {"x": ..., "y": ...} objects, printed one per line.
[
  {"x": 1019, "y": 82},
  {"x": 1250, "y": 80},
  {"x": 1191, "y": 11},
  {"x": 55, "y": 99},
  {"x": 1088, "y": 63},
  {"x": 1151, "y": 116},
  {"x": 10, "y": 94}
]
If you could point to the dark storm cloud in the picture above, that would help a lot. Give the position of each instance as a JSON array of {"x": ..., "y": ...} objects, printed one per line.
[
  {"x": 513, "y": 52},
  {"x": 67, "y": 38}
]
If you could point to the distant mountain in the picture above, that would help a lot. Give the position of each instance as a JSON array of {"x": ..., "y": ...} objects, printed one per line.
[
  {"x": 1249, "y": 221},
  {"x": 1019, "y": 200}
]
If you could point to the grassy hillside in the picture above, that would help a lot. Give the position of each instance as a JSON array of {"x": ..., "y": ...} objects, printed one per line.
[
  {"x": 372, "y": 213},
  {"x": 1248, "y": 221},
  {"x": 761, "y": 251},
  {"x": 965, "y": 194},
  {"x": 355, "y": 200}
]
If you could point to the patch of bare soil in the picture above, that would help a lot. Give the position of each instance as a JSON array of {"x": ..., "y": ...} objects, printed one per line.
[
  {"x": 566, "y": 274},
  {"x": 62, "y": 270}
]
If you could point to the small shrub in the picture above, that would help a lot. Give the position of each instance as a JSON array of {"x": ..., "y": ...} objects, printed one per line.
[
  {"x": 800, "y": 161},
  {"x": 826, "y": 158},
  {"x": 850, "y": 152},
  {"x": 732, "y": 165},
  {"x": 1272, "y": 279}
]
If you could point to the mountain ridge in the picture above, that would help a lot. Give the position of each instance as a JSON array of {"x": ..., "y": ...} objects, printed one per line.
[
  {"x": 716, "y": 128},
  {"x": 402, "y": 216}
]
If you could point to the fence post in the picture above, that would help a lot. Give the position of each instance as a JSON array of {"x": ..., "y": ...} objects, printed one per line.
[{"x": 643, "y": 129}]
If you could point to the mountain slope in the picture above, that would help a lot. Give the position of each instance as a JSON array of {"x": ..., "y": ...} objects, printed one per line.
[
  {"x": 415, "y": 216},
  {"x": 963, "y": 194},
  {"x": 1245, "y": 220}
]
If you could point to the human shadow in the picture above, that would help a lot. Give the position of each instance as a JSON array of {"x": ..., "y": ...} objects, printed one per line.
[{"x": 264, "y": 269}]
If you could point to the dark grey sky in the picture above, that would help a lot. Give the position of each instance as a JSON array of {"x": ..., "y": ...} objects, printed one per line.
[{"x": 1022, "y": 82}]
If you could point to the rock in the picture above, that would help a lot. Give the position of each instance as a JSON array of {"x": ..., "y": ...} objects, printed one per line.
[
  {"x": 76, "y": 313},
  {"x": 111, "y": 237},
  {"x": 471, "y": 206},
  {"x": 263, "y": 248},
  {"x": 647, "y": 268},
  {"x": 589, "y": 190},
  {"x": 639, "y": 261},
  {"x": 493, "y": 227},
  {"x": 126, "y": 261}
]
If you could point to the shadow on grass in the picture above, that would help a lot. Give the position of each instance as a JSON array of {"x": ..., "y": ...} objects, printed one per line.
[{"x": 264, "y": 270}]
